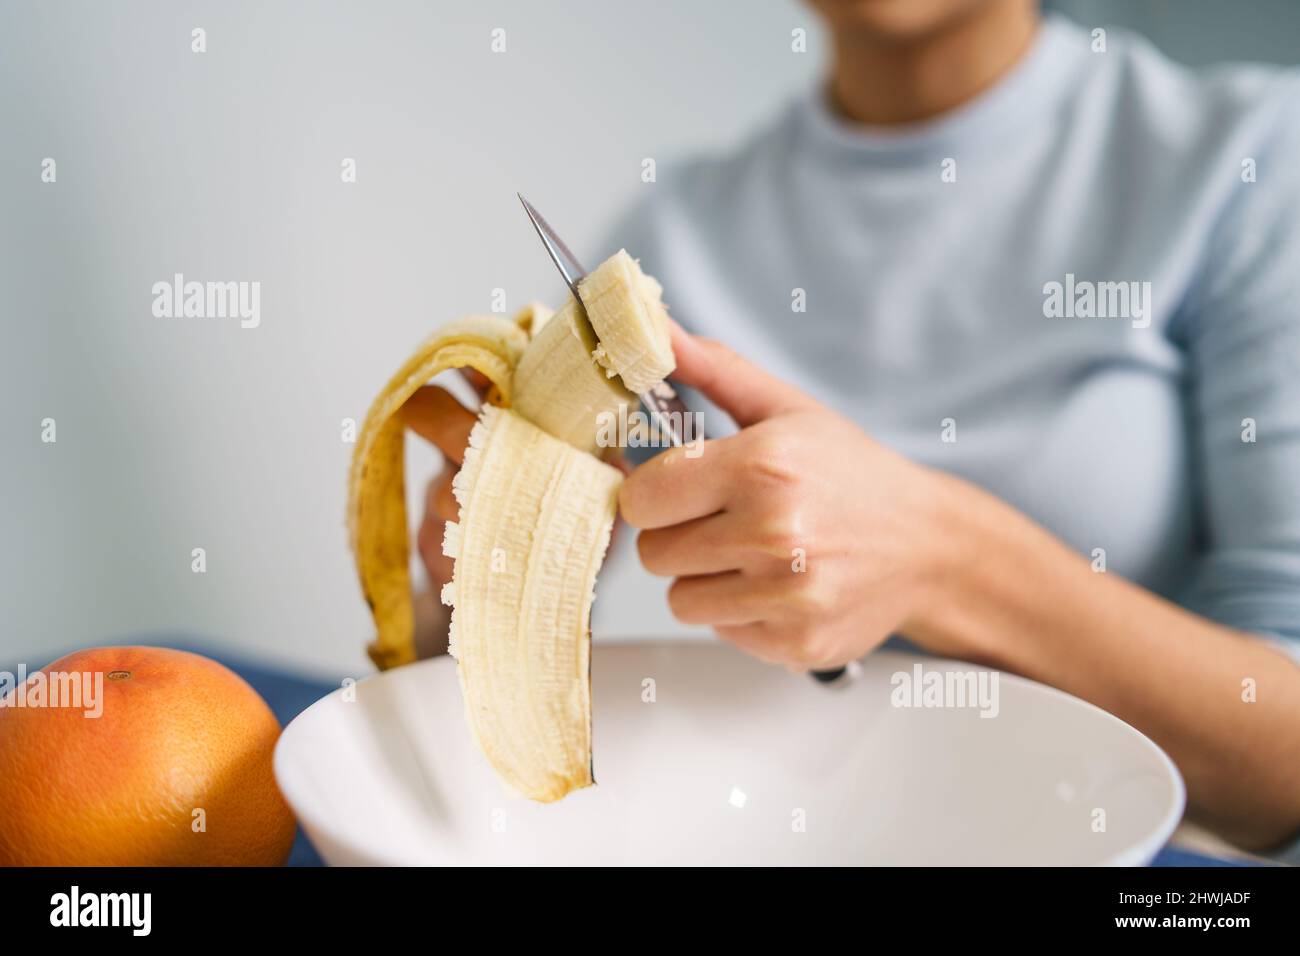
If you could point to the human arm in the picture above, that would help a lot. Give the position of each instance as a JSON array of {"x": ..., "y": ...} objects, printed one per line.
[{"x": 889, "y": 546}]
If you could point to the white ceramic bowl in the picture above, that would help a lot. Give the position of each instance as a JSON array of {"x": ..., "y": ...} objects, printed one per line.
[{"x": 736, "y": 762}]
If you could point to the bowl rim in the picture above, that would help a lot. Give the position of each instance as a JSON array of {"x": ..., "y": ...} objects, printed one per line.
[{"x": 1139, "y": 853}]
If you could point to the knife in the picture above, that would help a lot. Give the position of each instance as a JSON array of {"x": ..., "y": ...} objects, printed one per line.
[{"x": 662, "y": 401}]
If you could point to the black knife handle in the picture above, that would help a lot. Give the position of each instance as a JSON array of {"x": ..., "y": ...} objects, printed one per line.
[{"x": 826, "y": 676}]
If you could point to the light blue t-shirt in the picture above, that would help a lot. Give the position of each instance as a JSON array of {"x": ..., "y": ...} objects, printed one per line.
[
  {"x": 1080, "y": 291},
  {"x": 1087, "y": 280}
]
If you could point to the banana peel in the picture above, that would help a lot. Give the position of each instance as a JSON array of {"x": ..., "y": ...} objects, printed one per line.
[
  {"x": 536, "y": 508},
  {"x": 377, "y": 524}
]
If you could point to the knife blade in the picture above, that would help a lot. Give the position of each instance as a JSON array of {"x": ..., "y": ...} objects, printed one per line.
[{"x": 662, "y": 402}]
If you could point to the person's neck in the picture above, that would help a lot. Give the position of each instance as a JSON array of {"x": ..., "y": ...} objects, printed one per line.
[{"x": 886, "y": 81}]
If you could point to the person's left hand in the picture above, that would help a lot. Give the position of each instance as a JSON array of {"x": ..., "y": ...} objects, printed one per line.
[{"x": 799, "y": 539}]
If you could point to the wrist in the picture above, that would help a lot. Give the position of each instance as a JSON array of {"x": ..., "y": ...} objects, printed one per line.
[{"x": 946, "y": 616}]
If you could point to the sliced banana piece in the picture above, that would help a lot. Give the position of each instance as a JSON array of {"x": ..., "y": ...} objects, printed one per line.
[
  {"x": 626, "y": 310},
  {"x": 560, "y": 387}
]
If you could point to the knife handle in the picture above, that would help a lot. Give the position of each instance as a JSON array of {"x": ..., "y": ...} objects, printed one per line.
[
  {"x": 670, "y": 413},
  {"x": 827, "y": 676}
]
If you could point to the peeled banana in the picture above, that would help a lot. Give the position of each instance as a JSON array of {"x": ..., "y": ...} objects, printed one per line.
[
  {"x": 536, "y": 504},
  {"x": 377, "y": 528},
  {"x": 560, "y": 387},
  {"x": 535, "y": 519}
]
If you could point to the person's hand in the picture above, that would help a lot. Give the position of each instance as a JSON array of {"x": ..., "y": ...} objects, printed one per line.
[
  {"x": 799, "y": 539},
  {"x": 435, "y": 415}
]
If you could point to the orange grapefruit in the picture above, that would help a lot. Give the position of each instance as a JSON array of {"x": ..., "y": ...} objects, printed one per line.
[{"x": 174, "y": 771}]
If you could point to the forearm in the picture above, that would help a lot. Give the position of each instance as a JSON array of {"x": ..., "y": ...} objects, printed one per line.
[{"x": 1014, "y": 596}]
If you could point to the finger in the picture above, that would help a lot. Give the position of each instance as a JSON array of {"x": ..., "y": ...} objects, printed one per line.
[
  {"x": 732, "y": 597},
  {"x": 759, "y": 640},
  {"x": 771, "y": 643},
  {"x": 480, "y": 382},
  {"x": 706, "y": 545},
  {"x": 435, "y": 415},
  {"x": 439, "y": 499},
  {"x": 678, "y": 485},
  {"x": 737, "y": 386},
  {"x": 439, "y": 507},
  {"x": 429, "y": 543},
  {"x": 618, "y": 460}
]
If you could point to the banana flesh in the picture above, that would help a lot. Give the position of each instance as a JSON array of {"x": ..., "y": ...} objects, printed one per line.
[
  {"x": 536, "y": 509},
  {"x": 535, "y": 520},
  {"x": 629, "y": 318},
  {"x": 560, "y": 387}
]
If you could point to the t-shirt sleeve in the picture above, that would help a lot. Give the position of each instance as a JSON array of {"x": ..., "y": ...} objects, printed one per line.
[{"x": 1242, "y": 325}]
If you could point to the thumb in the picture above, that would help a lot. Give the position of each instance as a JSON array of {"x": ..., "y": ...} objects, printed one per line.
[{"x": 737, "y": 386}]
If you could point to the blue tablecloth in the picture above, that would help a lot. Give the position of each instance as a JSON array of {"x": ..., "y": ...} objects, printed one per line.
[{"x": 289, "y": 694}]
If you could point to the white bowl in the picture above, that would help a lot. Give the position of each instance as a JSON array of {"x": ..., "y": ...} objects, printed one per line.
[{"x": 736, "y": 762}]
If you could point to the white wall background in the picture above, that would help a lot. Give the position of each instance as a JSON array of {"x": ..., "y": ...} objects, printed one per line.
[{"x": 184, "y": 433}]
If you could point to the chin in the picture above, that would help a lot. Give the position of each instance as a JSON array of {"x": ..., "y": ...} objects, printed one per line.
[{"x": 895, "y": 19}]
